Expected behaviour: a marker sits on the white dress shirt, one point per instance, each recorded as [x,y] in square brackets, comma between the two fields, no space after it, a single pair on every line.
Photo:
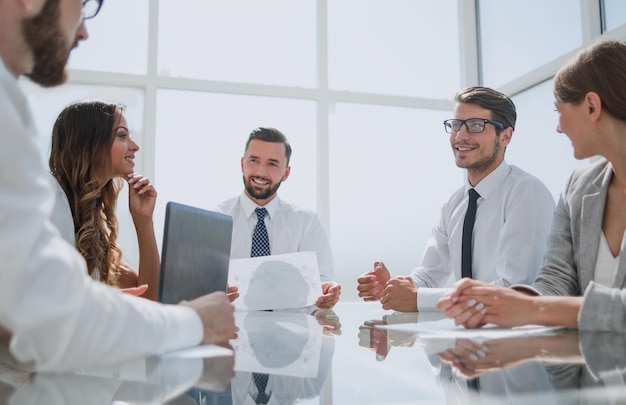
[512,224]
[59,318]
[290,229]
[62,213]
[63,220]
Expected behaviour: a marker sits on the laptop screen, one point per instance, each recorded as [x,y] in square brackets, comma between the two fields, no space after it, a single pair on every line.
[195,253]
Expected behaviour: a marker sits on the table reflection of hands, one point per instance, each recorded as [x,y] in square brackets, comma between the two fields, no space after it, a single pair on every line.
[329,320]
[381,340]
[473,358]
[374,339]
[216,372]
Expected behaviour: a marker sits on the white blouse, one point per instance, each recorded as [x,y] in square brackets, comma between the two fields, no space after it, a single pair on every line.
[606,264]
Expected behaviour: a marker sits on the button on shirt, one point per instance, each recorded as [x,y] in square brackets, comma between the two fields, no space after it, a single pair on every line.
[510,232]
[290,229]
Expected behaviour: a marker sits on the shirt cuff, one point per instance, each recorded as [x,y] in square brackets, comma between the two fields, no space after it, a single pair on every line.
[523,288]
[427,298]
[190,330]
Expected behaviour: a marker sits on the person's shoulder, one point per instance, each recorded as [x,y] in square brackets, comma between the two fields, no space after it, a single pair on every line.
[519,174]
[589,176]
[521,178]
[227,206]
[591,171]
[455,198]
[293,208]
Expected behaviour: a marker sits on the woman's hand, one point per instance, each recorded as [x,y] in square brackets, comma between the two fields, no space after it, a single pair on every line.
[141,196]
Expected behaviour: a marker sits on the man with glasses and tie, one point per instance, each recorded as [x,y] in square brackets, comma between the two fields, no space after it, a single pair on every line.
[264,224]
[51,312]
[494,228]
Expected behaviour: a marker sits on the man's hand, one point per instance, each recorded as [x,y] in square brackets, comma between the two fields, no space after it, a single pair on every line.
[217,315]
[400,295]
[330,295]
[217,372]
[329,321]
[371,284]
[374,339]
[233,293]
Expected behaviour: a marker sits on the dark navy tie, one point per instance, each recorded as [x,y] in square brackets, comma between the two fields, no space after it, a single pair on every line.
[260,247]
[260,240]
[468,230]
[260,380]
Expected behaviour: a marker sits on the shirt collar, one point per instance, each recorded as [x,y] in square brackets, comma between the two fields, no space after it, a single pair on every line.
[249,206]
[492,183]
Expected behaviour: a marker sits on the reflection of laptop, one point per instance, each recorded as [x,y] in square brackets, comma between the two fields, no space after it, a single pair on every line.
[196,253]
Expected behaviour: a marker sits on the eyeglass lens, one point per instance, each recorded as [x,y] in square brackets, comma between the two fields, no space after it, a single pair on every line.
[91,8]
[472,125]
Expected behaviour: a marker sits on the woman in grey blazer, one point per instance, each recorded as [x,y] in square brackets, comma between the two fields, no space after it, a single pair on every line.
[580,284]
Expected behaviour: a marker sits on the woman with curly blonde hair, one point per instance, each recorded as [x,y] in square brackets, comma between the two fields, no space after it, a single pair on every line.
[92,153]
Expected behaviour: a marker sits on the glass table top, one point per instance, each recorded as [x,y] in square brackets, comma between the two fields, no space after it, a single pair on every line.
[341,357]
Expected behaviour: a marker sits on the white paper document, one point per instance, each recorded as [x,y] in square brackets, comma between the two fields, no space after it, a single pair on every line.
[276,282]
[445,328]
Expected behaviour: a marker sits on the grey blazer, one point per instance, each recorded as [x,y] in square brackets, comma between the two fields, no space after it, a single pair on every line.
[570,257]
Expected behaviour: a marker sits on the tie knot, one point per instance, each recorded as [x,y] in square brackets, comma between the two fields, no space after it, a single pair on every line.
[260,213]
[473,194]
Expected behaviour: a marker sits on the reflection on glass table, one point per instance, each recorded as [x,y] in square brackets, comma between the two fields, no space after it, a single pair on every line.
[335,358]
[563,366]
[281,357]
[152,380]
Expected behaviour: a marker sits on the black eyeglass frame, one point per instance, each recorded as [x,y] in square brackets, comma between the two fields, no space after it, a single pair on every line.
[448,127]
[91,14]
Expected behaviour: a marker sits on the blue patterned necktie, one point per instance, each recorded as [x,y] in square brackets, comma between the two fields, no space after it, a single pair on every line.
[260,380]
[468,230]
[260,240]
[260,247]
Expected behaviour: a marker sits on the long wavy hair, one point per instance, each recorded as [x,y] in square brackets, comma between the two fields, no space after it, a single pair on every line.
[80,158]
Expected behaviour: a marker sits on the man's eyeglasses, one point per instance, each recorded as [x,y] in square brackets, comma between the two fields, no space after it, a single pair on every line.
[91,8]
[473,125]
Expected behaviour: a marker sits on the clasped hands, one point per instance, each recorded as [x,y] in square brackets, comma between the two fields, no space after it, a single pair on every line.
[398,293]
[471,303]
[474,303]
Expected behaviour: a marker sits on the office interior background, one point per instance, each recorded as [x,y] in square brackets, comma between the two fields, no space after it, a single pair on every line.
[360,87]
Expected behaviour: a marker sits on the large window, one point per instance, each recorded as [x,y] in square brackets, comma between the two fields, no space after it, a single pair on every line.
[614,13]
[262,42]
[118,40]
[391,169]
[400,47]
[519,36]
[360,87]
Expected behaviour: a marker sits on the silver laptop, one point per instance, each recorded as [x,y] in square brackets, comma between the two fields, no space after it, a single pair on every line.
[195,253]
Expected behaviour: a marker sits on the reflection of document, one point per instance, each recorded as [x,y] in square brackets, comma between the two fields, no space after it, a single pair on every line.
[445,328]
[278,343]
[274,282]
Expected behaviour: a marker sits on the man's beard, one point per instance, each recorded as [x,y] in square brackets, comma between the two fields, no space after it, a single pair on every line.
[260,195]
[44,36]
[486,161]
